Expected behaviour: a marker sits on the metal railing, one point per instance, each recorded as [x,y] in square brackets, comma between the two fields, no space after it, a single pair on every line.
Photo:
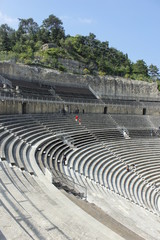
[138,104]
[5,81]
[130,98]
[66,182]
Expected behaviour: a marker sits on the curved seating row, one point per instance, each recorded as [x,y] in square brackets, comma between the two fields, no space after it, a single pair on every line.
[28,210]
[130,121]
[84,159]
[103,162]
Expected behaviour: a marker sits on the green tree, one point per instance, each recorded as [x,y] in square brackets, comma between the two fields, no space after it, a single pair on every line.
[140,67]
[25,44]
[153,72]
[7,37]
[26,38]
[43,35]
[54,27]
[28,26]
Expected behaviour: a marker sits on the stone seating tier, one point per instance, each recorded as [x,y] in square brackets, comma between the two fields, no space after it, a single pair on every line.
[96,156]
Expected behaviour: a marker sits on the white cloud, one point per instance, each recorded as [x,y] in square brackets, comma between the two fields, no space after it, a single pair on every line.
[65,18]
[12,22]
[77,20]
[85,20]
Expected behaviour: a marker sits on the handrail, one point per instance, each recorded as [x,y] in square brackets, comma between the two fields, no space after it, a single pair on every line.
[137,104]
[70,183]
[130,98]
[3,97]
[62,174]
[5,81]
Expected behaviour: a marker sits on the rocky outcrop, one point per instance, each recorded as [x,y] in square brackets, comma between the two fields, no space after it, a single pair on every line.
[103,86]
[72,65]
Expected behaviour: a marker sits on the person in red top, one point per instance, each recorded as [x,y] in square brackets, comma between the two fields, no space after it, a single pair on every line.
[76,118]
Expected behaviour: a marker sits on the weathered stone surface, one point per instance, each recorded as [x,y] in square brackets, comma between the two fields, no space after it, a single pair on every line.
[103,86]
[72,65]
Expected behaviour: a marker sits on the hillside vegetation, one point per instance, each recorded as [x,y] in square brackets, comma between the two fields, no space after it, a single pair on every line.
[26,45]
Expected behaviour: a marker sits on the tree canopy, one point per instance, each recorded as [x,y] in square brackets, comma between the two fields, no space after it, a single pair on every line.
[26,45]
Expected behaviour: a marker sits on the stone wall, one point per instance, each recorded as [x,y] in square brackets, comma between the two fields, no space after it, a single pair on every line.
[10,107]
[72,65]
[17,107]
[103,86]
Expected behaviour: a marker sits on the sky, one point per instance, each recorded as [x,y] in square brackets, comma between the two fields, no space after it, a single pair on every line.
[130,26]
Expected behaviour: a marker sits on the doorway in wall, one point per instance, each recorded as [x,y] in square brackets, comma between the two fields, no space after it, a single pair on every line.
[24,108]
[144,111]
[105,110]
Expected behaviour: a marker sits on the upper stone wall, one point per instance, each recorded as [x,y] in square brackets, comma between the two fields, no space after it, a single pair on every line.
[72,65]
[103,86]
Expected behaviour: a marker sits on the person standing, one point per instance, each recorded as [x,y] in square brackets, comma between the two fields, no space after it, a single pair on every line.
[64,161]
[127,168]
